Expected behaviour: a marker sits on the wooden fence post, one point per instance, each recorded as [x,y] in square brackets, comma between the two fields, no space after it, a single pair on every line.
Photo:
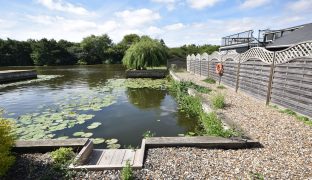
[199,67]
[208,67]
[237,74]
[268,98]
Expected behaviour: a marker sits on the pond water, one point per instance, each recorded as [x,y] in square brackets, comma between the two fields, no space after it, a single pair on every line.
[91,101]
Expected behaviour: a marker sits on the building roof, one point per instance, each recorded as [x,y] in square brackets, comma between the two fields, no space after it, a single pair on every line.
[295,37]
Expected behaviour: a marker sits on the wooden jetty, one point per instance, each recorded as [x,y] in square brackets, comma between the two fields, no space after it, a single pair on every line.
[16,75]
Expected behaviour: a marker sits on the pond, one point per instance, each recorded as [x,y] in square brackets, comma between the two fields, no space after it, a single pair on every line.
[91,101]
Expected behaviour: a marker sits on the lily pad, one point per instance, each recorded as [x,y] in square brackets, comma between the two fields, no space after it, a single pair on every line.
[98,140]
[113,146]
[87,135]
[94,125]
[78,133]
[111,141]
[63,137]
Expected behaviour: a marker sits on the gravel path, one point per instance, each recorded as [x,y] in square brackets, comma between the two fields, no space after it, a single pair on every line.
[287,152]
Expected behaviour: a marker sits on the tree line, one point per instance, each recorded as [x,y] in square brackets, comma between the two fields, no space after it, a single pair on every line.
[91,50]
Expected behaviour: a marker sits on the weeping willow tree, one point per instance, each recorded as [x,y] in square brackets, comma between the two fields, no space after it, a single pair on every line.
[145,53]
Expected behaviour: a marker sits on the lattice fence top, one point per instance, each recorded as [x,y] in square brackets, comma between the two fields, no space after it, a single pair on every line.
[197,57]
[193,57]
[231,55]
[188,57]
[215,56]
[303,49]
[204,57]
[258,53]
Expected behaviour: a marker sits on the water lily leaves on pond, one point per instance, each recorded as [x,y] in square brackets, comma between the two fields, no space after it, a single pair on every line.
[113,146]
[83,117]
[111,141]
[79,133]
[94,125]
[87,135]
[98,140]
[181,135]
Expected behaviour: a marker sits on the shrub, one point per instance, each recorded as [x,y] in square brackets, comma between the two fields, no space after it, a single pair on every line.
[221,87]
[62,157]
[126,172]
[146,53]
[7,139]
[218,101]
[210,81]
[213,125]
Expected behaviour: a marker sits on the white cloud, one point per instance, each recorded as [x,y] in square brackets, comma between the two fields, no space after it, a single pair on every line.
[301,5]
[138,17]
[170,4]
[175,26]
[61,5]
[253,3]
[200,4]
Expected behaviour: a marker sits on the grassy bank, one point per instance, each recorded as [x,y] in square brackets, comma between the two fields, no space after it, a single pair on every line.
[208,124]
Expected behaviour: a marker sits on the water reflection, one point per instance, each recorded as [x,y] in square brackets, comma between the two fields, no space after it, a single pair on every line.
[145,98]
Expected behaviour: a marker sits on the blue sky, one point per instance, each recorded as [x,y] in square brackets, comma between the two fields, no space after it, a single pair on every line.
[178,22]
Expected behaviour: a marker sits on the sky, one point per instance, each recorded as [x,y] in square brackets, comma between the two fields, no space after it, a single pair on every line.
[177,22]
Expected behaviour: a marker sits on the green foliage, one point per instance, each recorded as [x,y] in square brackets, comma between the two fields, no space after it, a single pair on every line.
[209,123]
[126,172]
[221,87]
[210,81]
[184,50]
[146,53]
[213,125]
[304,119]
[218,101]
[256,176]
[148,134]
[62,158]
[97,48]
[7,138]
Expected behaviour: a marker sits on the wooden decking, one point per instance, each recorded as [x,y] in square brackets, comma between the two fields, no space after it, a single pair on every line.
[16,75]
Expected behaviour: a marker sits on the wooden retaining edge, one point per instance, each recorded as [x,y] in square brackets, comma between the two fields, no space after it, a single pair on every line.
[200,141]
[46,145]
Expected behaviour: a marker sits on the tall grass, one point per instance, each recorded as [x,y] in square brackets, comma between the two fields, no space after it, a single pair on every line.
[218,101]
[208,124]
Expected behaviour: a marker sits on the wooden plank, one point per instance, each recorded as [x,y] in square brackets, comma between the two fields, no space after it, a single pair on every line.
[108,156]
[199,141]
[118,157]
[95,156]
[129,156]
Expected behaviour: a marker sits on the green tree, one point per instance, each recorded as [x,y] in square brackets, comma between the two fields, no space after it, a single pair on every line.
[96,48]
[146,53]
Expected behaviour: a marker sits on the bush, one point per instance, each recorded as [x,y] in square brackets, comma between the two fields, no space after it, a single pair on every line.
[146,53]
[126,173]
[210,81]
[62,157]
[7,139]
[218,101]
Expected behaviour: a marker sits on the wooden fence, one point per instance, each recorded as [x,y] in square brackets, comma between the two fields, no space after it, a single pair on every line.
[281,77]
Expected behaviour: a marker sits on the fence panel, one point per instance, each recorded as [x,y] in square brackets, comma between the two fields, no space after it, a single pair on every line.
[212,69]
[292,85]
[230,73]
[204,68]
[254,78]
[197,67]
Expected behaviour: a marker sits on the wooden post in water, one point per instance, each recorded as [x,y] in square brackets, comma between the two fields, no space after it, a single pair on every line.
[268,98]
